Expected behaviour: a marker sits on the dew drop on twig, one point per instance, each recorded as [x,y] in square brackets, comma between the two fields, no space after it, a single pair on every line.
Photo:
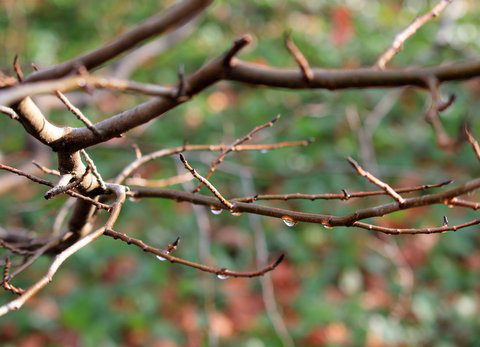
[236,214]
[222,277]
[161,258]
[215,210]
[289,221]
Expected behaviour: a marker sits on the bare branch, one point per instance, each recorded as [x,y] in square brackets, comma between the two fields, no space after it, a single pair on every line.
[300,59]
[389,190]
[222,273]
[64,184]
[6,283]
[161,183]
[474,143]
[46,169]
[256,74]
[95,172]
[432,116]
[49,184]
[326,220]
[397,231]
[340,196]
[206,182]
[402,37]
[128,170]
[76,112]
[238,44]
[66,84]
[229,149]
[18,69]
[60,258]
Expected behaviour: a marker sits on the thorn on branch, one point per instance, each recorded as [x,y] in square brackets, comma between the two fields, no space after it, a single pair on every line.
[445,221]
[443,106]
[180,94]
[300,59]
[17,68]
[346,195]
[238,44]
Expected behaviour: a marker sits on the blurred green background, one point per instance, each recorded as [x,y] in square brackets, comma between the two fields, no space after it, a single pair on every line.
[336,287]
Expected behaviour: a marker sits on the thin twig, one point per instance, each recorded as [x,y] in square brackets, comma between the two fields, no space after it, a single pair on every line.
[162,183]
[37,253]
[474,143]
[432,115]
[402,37]
[128,170]
[64,185]
[229,149]
[220,272]
[95,172]
[76,112]
[64,255]
[463,203]
[398,231]
[340,196]
[389,190]
[138,152]
[6,283]
[14,249]
[206,182]
[46,169]
[49,184]
[18,69]
[300,59]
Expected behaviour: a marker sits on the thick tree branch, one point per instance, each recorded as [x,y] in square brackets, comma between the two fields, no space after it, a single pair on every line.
[326,220]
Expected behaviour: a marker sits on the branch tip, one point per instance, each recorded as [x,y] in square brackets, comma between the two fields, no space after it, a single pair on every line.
[238,44]
[279,260]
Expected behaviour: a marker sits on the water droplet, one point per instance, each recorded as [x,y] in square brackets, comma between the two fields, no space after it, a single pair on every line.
[133,199]
[215,210]
[222,277]
[289,221]
[161,258]
[264,151]
[236,214]
[451,206]
[327,226]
